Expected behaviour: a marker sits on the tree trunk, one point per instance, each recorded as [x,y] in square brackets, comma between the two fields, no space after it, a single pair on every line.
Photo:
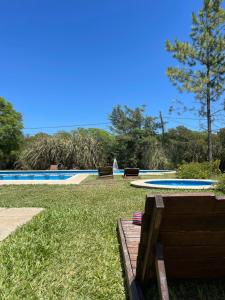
[209,125]
[163,128]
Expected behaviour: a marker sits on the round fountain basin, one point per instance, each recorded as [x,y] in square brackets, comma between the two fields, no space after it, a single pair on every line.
[192,184]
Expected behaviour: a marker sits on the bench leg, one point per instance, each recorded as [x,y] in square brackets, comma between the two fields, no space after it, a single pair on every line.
[161,274]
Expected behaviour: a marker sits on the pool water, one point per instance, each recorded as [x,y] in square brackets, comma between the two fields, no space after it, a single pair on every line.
[34,177]
[58,175]
[186,183]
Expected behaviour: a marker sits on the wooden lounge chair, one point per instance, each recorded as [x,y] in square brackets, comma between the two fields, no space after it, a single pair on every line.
[54,167]
[105,172]
[131,172]
[182,236]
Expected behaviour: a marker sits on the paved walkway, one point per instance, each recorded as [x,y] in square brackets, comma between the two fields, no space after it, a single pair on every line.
[12,218]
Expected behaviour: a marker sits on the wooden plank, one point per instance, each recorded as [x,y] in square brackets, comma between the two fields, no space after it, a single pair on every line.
[133,289]
[194,252]
[133,250]
[133,256]
[220,204]
[133,244]
[193,203]
[133,239]
[132,235]
[146,251]
[134,263]
[191,222]
[149,203]
[126,221]
[132,227]
[201,268]
[131,230]
[195,238]
[161,273]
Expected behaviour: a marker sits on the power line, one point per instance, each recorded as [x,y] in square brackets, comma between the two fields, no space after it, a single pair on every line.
[184,118]
[66,126]
[108,123]
[188,118]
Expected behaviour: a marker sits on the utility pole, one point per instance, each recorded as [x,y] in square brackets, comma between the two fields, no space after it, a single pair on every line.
[162,127]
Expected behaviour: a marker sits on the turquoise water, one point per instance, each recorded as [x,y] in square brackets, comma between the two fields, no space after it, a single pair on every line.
[57,175]
[186,183]
[34,177]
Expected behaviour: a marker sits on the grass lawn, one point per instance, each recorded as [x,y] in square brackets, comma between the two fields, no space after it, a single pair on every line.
[70,251]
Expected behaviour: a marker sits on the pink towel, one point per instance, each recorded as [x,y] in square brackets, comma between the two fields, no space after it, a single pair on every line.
[137,217]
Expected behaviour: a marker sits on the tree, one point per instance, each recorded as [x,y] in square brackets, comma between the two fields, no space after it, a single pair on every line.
[221,137]
[132,129]
[184,145]
[126,120]
[105,140]
[10,133]
[202,62]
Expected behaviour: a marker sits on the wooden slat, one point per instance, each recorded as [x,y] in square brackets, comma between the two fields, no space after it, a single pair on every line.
[134,290]
[191,222]
[220,204]
[195,203]
[194,252]
[149,203]
[161,273]
[132,239]
[134,263]
[133,250]
[146,256]
[133,256]
[195,238]
[131,230]
[132,244]
[132,227]
[126,221]
[201,268]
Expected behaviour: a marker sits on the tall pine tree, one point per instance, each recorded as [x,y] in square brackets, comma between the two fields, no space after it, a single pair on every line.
[202,61]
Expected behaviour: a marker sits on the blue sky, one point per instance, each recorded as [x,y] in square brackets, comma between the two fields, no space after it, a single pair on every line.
[69,62]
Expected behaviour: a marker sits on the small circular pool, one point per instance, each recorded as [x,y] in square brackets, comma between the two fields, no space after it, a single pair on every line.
[193,184]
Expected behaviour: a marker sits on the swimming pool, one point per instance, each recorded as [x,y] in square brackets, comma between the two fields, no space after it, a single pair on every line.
[62,174]
[31,176]
[176,184]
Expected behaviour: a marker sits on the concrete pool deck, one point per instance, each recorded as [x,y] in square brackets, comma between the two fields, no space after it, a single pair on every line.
[12,218]
[76,179]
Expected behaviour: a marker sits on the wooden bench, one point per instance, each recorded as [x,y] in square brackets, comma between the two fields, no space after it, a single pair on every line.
[182,236]
[131,172]
[105,172]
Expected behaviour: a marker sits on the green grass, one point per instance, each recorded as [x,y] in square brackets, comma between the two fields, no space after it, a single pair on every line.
[71,251]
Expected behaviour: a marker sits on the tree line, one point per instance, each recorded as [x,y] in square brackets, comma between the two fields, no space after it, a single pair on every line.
[134,139]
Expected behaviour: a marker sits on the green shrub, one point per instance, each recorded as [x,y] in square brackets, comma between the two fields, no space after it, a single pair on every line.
[75,150]
[198,170]
[221,183]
